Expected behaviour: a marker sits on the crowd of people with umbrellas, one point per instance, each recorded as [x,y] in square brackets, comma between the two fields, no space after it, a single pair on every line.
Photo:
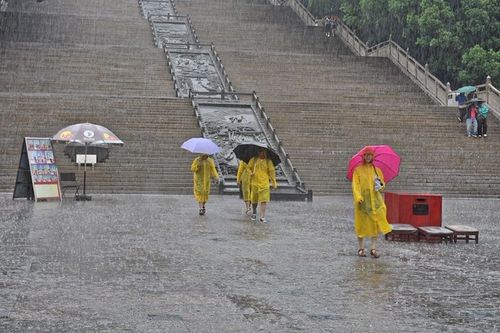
[256,173]
[369,170]
[473,110]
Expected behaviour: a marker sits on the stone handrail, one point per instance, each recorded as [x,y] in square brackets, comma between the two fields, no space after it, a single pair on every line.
[299,9]
[431,85]
[491,95]
[259,109]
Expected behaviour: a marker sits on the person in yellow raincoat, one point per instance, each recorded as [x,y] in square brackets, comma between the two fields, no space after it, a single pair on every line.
[369,207]
[261,173]
[203,167]
[243,180]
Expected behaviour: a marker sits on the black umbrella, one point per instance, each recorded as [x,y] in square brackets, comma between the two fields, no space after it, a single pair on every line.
[245,151]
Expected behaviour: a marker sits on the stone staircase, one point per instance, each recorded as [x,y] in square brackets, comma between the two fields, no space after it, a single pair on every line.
[152,128]
[65,62]
[326,103]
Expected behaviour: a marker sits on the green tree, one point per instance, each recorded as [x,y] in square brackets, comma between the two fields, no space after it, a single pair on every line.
[403,15]
[442,33]
[437,38]
[351,14]
[477,64]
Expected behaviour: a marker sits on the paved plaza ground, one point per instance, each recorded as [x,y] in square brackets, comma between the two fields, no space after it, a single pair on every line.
[146,263]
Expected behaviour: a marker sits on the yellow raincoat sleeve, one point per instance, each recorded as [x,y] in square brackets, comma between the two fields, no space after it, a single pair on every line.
[195,166]
[213,170]
[272,173]
[241,169]
[356,186]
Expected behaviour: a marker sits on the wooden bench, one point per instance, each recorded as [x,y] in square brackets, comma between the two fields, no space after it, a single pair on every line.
[68,181]
[463,232]
[435,234]
[402,232]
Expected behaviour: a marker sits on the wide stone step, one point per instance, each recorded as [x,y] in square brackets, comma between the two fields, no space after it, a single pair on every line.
[86,8]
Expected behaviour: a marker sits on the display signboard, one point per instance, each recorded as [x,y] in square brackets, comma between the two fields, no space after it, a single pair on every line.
[42,169]
[88,159]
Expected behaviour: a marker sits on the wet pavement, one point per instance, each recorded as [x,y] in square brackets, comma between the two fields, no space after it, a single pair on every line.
[146,263]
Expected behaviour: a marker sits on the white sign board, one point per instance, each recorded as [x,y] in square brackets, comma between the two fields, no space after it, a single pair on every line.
[86,159]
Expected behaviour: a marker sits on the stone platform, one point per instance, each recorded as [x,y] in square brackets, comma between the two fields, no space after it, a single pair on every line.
[146,263]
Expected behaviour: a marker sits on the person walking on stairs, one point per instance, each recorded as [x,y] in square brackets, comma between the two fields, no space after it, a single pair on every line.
[462,106]
[261,173]
[482,115]
[203,168]
[471,120]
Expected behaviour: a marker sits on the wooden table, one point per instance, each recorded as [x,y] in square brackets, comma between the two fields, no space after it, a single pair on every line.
[435,234]
[464,232]
[402,232]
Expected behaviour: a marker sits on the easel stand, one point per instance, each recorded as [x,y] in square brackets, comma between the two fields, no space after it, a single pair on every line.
[84,196]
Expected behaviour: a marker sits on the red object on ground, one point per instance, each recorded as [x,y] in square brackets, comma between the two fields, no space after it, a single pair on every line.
[419,210]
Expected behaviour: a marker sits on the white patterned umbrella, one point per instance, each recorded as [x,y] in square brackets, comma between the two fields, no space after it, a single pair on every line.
[87,134]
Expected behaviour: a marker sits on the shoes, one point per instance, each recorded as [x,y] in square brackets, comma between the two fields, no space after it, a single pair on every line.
[374,253]
[263,220]
[485,135]
[248,211]
[202,211]
[254,217]
[361,253]
[468,135]
[474,135]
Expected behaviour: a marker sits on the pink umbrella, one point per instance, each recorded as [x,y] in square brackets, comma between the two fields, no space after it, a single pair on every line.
[385,158]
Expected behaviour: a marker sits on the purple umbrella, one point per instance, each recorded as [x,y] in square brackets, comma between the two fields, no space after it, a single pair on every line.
[201,146]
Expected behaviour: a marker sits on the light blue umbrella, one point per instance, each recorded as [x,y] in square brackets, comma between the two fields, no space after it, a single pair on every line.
[201,146]
[466,89]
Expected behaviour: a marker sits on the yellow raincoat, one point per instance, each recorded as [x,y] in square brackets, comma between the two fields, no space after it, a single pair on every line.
[370,216]
[261,172]
[243,178]
[202,170]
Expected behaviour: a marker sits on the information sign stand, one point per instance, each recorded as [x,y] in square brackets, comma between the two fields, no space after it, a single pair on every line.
[37,176]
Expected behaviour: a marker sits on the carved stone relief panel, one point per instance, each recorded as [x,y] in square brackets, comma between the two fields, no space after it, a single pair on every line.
[229,126]
[195,71]
[171,32]
[157,8]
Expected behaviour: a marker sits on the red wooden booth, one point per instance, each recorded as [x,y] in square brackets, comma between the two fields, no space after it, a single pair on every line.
[419,210]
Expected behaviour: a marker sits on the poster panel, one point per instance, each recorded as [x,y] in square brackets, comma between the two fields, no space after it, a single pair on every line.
[43,168]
